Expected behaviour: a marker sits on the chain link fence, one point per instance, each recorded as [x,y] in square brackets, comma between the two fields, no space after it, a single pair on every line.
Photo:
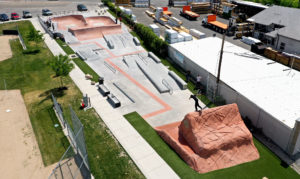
[74,162]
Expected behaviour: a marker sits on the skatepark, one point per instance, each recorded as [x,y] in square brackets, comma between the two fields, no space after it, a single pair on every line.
[135,77]
[134,80]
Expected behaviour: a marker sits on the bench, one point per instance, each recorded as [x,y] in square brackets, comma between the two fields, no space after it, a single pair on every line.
[103,90]
[113,100]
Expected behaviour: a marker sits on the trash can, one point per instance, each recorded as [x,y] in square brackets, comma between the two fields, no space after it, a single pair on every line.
[101,80]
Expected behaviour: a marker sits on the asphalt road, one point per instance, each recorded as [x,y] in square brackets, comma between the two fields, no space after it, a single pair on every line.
[143,18]
[36,6]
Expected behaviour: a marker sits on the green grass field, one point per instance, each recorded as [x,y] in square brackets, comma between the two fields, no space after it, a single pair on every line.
[34,77]
[267,165]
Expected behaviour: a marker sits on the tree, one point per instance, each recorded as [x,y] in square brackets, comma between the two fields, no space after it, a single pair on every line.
[35,35]
[62,66]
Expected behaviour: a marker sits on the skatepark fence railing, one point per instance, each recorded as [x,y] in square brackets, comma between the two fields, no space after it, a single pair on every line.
[74,162]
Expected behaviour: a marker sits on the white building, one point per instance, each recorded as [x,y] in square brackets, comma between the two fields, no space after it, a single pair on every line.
[265,91]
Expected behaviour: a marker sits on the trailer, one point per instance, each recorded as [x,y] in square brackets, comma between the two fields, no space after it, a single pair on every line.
[166,12]
[211,21]
[187,13]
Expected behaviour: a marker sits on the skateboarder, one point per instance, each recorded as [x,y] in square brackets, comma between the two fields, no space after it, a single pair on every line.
[196,102]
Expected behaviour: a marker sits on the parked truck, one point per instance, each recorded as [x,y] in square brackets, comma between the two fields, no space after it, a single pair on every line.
[211,21]
[187,13]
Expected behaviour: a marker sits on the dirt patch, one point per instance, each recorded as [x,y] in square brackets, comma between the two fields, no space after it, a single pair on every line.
[20,155]
[5,50]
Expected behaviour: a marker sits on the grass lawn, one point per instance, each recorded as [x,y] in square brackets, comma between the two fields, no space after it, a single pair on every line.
[80,63]
[267,165]
[34,77]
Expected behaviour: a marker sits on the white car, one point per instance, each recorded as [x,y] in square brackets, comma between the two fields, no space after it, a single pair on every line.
[250,40]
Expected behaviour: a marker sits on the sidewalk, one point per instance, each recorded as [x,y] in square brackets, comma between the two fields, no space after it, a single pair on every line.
[148,161]
[144,156]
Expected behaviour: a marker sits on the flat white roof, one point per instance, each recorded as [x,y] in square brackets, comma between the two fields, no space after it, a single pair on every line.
[275,91]
[249,3]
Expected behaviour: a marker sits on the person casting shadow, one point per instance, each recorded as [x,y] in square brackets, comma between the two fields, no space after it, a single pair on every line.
[194,97]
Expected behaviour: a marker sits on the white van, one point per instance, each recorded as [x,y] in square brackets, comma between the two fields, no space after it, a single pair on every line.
[250,40]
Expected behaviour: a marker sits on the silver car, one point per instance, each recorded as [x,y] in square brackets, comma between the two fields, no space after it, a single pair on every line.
[46,12]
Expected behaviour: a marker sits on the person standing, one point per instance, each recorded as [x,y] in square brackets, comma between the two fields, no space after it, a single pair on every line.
[187,76]
[194,97]
[198,83]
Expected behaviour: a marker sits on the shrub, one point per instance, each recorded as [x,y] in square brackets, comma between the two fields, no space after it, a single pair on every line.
[31,51]
[151,41]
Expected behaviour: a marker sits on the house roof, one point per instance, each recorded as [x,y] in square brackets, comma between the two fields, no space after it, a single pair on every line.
[287,17]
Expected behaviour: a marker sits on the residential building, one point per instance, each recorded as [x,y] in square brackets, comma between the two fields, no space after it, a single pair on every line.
[279,28]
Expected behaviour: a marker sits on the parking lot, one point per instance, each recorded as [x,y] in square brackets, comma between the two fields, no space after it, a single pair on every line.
[143,18]
[36,6]
[67,6]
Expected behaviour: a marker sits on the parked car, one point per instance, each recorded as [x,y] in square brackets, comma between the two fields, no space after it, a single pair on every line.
[46,12]
[14,16]
[58,35]
[81,7]
[26,14]
[4,17]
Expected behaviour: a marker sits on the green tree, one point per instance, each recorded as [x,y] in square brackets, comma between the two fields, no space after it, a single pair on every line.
[62,66]
[35,35]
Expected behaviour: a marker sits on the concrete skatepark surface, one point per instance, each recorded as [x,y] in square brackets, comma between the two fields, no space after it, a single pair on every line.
[139,82]
[215,139]
[85,28]
[125,79]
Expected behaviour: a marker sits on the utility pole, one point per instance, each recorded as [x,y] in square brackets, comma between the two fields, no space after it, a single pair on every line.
[219,69]
[220,60]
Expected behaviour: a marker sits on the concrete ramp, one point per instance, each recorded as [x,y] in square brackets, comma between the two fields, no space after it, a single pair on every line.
[120,40]
[154,78]
[69,38]
[64,22]
[129,61]
[95,32]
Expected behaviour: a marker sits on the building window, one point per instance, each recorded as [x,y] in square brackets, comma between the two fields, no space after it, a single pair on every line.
[282,45]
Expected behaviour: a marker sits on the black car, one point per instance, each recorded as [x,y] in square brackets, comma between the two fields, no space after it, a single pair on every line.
[58,35]
[4,17]
[46,12]
[81,7]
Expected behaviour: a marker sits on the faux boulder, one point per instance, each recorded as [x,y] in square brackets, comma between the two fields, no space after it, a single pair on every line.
[214,139]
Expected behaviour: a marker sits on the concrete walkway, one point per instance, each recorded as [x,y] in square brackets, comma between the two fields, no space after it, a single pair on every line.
[144,156]
[148,161]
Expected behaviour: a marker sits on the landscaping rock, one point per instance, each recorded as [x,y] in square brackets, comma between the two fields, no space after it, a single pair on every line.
[214,139]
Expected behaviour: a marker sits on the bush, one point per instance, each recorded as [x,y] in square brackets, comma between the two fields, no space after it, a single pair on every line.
[151,41]
[31,51]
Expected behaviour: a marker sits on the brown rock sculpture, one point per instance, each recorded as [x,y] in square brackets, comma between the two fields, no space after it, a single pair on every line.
[215,139]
